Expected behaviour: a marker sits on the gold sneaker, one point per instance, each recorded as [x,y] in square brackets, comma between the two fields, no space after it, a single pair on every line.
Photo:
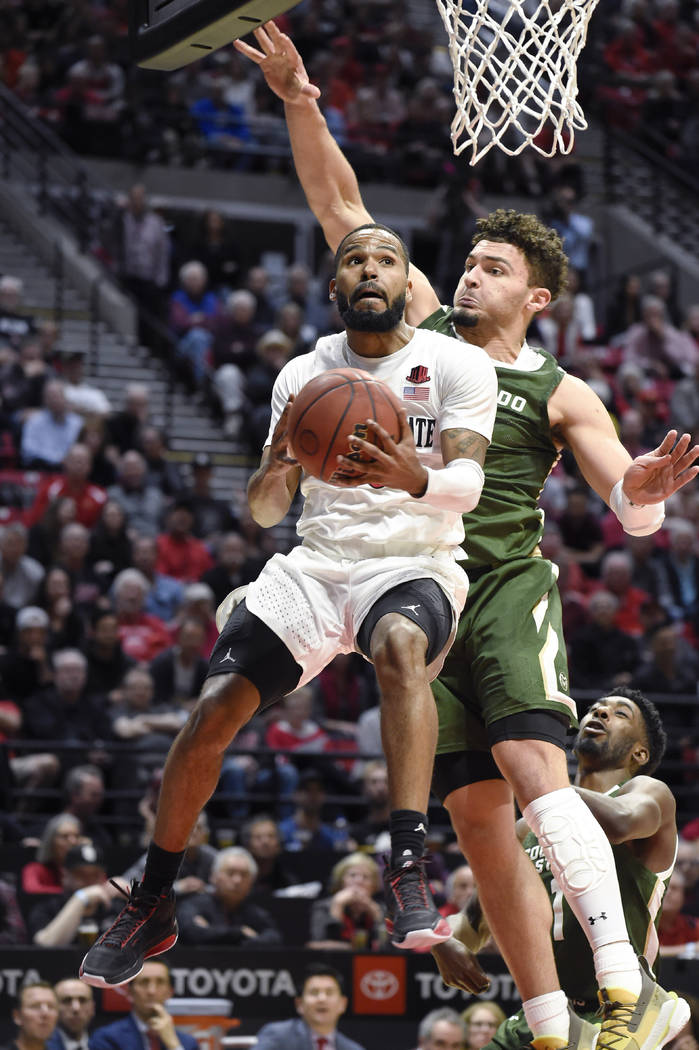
[581,1036]
[646,1023]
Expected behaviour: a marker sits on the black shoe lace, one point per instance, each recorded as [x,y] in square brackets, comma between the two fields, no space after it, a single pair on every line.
[131,915]
[615,1025]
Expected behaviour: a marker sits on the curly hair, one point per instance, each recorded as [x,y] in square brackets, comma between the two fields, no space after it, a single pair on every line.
[655,734]
[541,246]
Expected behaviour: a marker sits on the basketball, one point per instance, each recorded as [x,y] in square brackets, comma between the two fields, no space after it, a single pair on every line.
[332,406]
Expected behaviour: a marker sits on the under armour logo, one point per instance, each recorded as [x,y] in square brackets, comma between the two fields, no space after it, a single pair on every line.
[413,608]
[422,828]
[593,919]
[227,657]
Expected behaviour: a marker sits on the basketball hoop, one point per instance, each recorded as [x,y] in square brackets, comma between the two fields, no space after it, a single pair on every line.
[515,73]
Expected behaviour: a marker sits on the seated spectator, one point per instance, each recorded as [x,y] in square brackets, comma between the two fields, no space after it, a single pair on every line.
[12,928]
[45,536]
[84,908]
[193,313]
[107,663]
[162,472]
[66,713]
[289,320]
[94,435]
[625,307]
[180,554]
[350,918]
[320,1003]
[21,574]
[26,668]
[56,598]
[236,331]
[216,245]
[142,503]
[272,350]
[615,576]
[601,654]
[295,730]
[482,1021]
[661,350]
[197,864]
[261,837]
[460,886]
[678,568]
[142,635]
[76,1012]
[576,230]
[305,829]
[684,402]
[198,604]
[343,689]
[179,672]
[15,325]
[110,544]
[688,864]
[72,484]
[233,566]
[45,873]
[581,532]
[73,556]
[373,822]
[125,428]
[49,433]
[212,516]
[82,398]
[35,1015]
[369,733]
[149,1023]
[165,594]
[244,776]
[226,915]
[560,332]
[677,930]
[84,796]
[223,125]
[673,667]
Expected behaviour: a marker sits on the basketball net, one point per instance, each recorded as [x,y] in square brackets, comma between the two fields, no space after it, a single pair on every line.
[515,73]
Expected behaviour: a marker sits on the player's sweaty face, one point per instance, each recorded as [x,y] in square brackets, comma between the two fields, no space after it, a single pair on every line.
[495,283]
[371,272]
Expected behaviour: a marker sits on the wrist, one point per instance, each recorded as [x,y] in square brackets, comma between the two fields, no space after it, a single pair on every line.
[83,896]
[421,487]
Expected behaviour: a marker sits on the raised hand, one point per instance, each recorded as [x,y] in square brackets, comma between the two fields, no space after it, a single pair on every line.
[654,476]
[280,62]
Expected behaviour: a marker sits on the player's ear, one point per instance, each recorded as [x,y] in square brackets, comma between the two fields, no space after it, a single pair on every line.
[331,293]
[409,292]
[539,299]
[640,754]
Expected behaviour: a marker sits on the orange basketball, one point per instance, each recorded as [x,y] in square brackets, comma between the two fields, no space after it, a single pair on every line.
[332,406]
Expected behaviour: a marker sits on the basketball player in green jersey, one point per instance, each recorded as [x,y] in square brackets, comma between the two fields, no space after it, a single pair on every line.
[503,697]
[620,743]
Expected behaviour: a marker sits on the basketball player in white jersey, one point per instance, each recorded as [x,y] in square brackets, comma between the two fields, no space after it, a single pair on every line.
[376,573]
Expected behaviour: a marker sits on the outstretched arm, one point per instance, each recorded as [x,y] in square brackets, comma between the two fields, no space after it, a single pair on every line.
[325,174]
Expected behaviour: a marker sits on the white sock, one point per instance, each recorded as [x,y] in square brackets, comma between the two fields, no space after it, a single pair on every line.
[582,862]
[548,1015]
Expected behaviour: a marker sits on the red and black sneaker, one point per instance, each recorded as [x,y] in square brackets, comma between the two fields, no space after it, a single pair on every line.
[414,922]
[146,926]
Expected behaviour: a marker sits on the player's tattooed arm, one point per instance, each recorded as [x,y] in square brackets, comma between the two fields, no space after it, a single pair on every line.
[463,444]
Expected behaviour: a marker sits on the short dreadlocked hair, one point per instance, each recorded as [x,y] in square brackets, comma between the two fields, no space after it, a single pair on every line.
[656,736]
[541,246]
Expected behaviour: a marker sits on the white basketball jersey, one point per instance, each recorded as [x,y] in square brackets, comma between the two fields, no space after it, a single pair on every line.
[443,385]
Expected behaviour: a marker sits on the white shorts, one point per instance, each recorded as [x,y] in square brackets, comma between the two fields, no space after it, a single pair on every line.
[316,605]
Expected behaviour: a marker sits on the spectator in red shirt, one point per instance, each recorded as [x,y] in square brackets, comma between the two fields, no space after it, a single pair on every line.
[676,929]
[142,636]
[89,499]
[296,730]
[45,874]
[180,554]
[460,886]
[617,569]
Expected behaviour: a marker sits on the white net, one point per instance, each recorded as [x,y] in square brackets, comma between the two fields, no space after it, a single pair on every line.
[515,73]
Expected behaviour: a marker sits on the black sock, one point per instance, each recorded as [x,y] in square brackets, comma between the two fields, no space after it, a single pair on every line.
[162,868]
[408,828]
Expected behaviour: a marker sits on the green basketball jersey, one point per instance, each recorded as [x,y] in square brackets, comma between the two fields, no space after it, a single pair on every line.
[507,522]
[641,894]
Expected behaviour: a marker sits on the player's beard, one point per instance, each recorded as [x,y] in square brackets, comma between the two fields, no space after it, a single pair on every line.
[461,318]
[370,320]
[607,755]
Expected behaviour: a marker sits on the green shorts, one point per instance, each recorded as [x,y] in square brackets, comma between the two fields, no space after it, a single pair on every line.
[514,1032]
[508,658]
